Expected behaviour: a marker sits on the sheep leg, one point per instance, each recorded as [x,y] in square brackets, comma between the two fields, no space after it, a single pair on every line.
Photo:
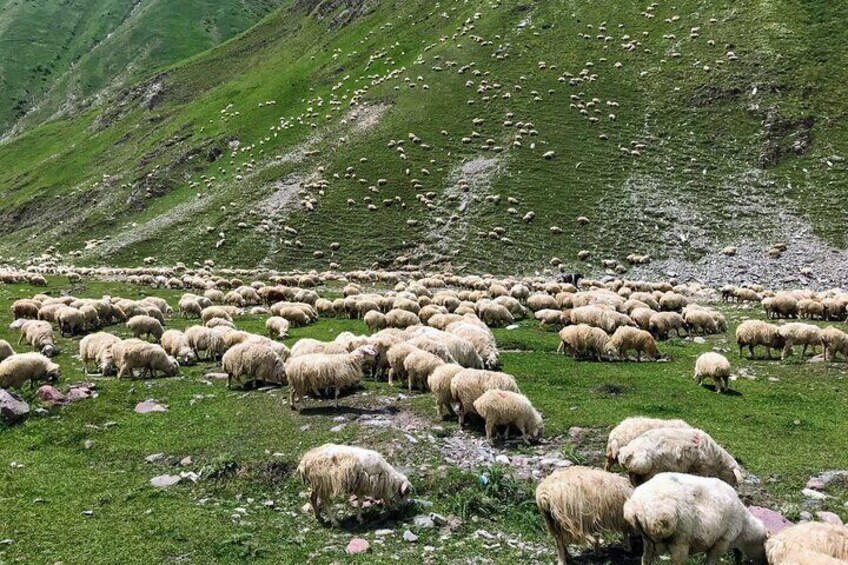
[717,551]
[680,554]
[391,376]
[609,463]
[490,428]
[768,351]
[409,382]
[336,397]
[506,433]
[804,350]
[21,338]
[649,552]
[316,504]
[562,551]
[787,350]
[292,404]
[460,413]
[359,511]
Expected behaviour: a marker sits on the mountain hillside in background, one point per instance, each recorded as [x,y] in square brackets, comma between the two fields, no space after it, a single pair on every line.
[478,135]
[58,55]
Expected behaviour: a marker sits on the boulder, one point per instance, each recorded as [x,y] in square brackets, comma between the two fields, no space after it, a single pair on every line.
[13,408]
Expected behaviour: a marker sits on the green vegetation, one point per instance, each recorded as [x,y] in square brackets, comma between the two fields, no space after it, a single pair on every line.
[784,423]
[737,125]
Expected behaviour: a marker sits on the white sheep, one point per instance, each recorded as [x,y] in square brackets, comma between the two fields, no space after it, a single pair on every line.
[175,344]
[751,333]
[713,366]
[38,335]
[146,326]
[580,505]
[419,365]
[5,349]
[470,384]
[132,354]
[681,514]
[97,347]
[333,471]
[439,383]
[507,408]
[70,320]
[798,333]
[277,327]
[678,450]
[375,320]
[631,428]
[399,318]
[206,342]
[253,361]
[480,338]
[22,367]
[317,372]
[662,323]
[582,341]
[627,338]
[189,307]
[810,543]
[834,341]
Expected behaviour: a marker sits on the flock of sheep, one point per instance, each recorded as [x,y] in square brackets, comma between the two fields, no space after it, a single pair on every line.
[433,333]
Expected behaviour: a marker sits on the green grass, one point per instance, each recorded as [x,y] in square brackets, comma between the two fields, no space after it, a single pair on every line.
[245,445]
[701,166]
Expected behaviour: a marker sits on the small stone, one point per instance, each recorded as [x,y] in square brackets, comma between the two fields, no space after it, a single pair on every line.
[485,535]
[50,395]
[512,327]
[79,393]
[502,459]
[6,541]
[438,519]
[88,513]
[268,504]
[829,517]
[147,407]
[13,408]
[814,494]
[699,340]
[165,481]
[185,461]
[815,484]
[155,457]
[306,508]
[383,533]
[88,444]
[220,376]
[409,536]
[423,522]
[338,428]
[357,546]
[772,520]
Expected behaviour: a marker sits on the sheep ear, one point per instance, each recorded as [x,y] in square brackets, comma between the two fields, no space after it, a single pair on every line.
[405,488]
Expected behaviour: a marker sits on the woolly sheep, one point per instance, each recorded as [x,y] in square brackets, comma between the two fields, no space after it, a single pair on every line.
[642,317]
[582,341]
[700,320]
[810,543]
[132,354]
[481,339]
[97,347]
[681,514]
[189,308]
[375,321]
[439,383]
[25,309]
[253,361]
[5,350]
[580,505]
[401,319]
[780,306]
[308,346]
[541,301]
[333,471]
[834,341]
[751,333]
[507,408]
[318,371]
[277,327]
[798,333]
[206,342]
[713,366]
[627,339]
[662,323]
[146,326]
[811,309]
[71,321]
[494,315]
[297,317]
[22,367]
[218,322]
[395,356]
[38,335]
[419,365]
[175,344]
[631,428]
[215,312]
[677,450]
[449,347]
[470,384]
[442,321]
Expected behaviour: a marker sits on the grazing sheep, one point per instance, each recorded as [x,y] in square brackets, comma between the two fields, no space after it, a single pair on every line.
[834,341]
[175,344]
[713,366]
[681,514]
[662,323]
[700,320]
[507,408]
[318,371]
[297,317]
[277,327]
[580,505]
[810,543]
[396,356]
[97,347]
[145,326]
[219,322]
[38,335]
[215,312]
[398,318]
[132,354]
[442,321]
[631,428]
[308,346]
[71,321]
[253,361]
[798,333]
[419,365]
[582,341]
[5,349]
[439,383]
[22,367]
[811,309]
[494,315]
[206,342]
[470,384]
[780,306]
[481,339]
[548,317]
[340,470]
[375,321]
[627,339]
[751,333]
[189,308]
[678,450]
[25,309]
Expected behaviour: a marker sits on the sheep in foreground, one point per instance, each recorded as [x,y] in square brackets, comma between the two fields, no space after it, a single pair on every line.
[132,354]
[318,371]
[479,336]
[470,384]
[678,450]
[146,326]
[308,346]
[627,338]
[631,428]
[175,344]
[97,348]
[713,366]
[39,335]
[33,367]
[5,349]
[580,505]
[833,341]
[506,408]
[751,333]
[439,383]
[395,357]
[681,514]
[253,361]
[582,341]
[798,333]
[811,543]
[419,365]
[277,327]
[206,342]
[333,471]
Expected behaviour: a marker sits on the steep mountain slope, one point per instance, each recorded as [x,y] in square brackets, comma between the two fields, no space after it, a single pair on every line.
[460,134]
[57,54]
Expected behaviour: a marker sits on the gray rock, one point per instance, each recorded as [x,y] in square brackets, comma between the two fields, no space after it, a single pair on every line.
[13,408]
[423,522]
[165,481]
[409,536]
[383,533]
[155,457]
